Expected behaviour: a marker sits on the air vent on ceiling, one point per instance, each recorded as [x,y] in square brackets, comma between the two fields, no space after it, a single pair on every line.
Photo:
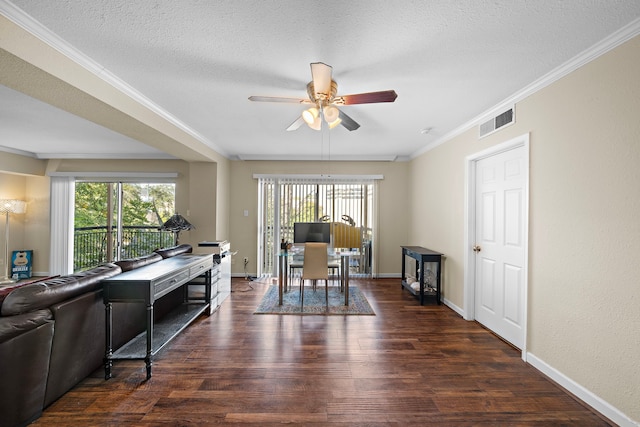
[497,122]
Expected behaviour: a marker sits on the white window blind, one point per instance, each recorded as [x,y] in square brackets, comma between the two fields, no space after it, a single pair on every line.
[346,202]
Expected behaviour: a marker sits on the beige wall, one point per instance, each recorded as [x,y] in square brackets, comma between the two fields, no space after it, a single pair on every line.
[223,202]
[392,215]
[37,225]
[584,230]
[31,230]
[14,163]
[202,210]
[208,202]
[12,187]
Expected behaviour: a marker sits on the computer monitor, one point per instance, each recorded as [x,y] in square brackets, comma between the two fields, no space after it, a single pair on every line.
[304,232]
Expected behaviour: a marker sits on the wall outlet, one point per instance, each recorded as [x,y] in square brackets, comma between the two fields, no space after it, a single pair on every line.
[246,260]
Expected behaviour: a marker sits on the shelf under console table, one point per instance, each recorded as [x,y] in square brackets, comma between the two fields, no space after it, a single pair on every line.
[422,256]
[148,284]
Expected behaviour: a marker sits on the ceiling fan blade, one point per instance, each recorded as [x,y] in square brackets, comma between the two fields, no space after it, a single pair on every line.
[348,122]
[366,98]
[279,99]
[321,76]
[295,125]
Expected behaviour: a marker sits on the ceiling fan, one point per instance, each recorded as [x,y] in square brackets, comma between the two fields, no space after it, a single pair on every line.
[322,91]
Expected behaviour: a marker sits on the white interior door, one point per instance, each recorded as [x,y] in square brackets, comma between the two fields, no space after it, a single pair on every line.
[500,221]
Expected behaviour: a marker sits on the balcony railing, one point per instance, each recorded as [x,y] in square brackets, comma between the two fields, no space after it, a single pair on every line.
[91,244]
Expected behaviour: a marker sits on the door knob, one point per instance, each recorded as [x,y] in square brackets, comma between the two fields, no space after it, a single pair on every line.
[476,248]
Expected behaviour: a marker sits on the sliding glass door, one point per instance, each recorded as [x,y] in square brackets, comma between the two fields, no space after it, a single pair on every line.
[346,204]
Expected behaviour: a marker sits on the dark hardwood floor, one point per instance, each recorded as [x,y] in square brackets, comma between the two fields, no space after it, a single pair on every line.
[409,365]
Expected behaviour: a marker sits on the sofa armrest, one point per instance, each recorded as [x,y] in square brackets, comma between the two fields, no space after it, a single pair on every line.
[25,366]
[12,326]
[78,346]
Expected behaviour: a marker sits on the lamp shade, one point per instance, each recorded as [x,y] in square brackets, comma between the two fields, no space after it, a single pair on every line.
[12,206]
[335,123]
[310,115]
[317,124]
[177,223]
[331,114]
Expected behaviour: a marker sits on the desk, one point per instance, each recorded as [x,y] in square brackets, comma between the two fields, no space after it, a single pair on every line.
[421,255]
[148,284]
[283,271]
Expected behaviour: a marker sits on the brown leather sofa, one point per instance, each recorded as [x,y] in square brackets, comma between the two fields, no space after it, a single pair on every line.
[52,335]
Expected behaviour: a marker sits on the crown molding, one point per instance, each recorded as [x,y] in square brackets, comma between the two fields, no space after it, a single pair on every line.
[106,156]
[333,158]
[607,44]
[89,156]
[19,152]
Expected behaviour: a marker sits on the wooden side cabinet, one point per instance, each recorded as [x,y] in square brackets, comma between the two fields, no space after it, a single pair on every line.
[422,256]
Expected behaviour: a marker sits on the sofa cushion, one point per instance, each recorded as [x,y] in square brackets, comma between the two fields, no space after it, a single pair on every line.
[174,250]
[35,296]
[133,263]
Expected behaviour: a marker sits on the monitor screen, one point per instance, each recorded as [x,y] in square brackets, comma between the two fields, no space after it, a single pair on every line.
[304,232]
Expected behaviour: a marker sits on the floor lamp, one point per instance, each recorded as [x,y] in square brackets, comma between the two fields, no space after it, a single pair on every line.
[8,206]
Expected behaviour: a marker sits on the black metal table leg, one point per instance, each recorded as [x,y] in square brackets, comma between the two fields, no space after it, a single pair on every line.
[147,359]
[108,363]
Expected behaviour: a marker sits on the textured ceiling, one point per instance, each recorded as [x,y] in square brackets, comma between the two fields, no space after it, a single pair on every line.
[197,62]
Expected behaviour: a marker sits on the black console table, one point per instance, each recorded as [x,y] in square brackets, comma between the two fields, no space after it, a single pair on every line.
[421,255]
[148,284]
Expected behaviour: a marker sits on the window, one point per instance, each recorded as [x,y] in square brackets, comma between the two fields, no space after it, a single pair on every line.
[119,220]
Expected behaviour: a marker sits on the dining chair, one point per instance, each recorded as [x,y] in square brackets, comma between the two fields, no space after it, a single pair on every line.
[315,267]
[295,267]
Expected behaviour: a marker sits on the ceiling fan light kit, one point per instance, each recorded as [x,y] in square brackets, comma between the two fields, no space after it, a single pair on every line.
[331,114]
[322,91]
[310,115]
[334,123]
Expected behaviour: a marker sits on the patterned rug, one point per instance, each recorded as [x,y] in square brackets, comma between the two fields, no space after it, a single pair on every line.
[314,302]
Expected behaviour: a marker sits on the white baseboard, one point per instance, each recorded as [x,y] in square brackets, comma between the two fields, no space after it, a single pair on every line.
[453,307]
[582,393]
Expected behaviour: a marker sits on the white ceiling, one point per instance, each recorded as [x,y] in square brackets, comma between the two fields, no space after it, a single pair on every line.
[197,62]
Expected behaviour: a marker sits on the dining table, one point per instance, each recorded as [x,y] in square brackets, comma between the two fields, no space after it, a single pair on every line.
[294,256]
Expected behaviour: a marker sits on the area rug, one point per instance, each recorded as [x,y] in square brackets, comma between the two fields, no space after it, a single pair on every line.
[314,302]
